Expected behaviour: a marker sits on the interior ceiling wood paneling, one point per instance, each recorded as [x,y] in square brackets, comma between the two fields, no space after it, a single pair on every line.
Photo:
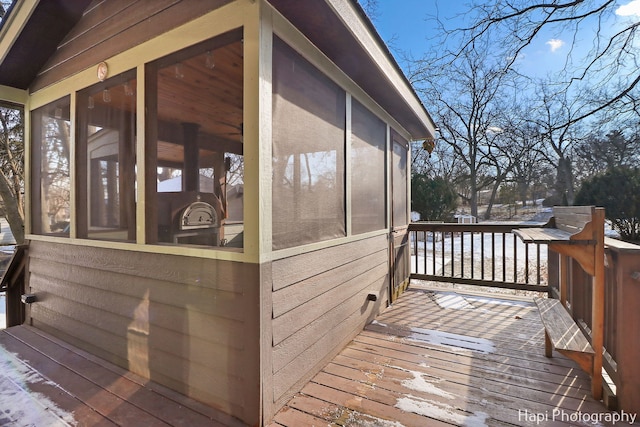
[189,92]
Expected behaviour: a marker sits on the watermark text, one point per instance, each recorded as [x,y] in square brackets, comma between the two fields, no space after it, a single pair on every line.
[576,417]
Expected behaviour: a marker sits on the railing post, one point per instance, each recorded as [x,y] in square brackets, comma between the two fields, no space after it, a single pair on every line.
[597,303]
[625,260]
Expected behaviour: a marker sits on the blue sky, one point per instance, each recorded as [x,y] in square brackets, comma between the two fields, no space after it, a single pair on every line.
[407,25]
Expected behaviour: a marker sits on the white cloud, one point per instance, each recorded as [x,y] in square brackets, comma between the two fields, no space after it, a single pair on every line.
[630,9]
[555,44]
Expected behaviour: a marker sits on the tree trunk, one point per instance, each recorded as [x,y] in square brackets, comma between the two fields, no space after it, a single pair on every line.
[564,180]
[12,211]
[492,199]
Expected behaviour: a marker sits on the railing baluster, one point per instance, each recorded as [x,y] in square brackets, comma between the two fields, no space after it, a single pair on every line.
[504,257]
[452,255]
[515,258]
[526,263]
[538,280]
[433,252]
[417,249]
[482,255]
[443,239]
[472,256]
[493,256]
[462,254]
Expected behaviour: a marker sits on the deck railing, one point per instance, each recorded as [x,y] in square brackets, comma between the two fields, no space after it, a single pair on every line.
[489,254]
[622,317]
[486,254]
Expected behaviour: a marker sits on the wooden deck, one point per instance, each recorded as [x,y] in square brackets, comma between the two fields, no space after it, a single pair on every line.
[443,358]
[45,382]
[433,359]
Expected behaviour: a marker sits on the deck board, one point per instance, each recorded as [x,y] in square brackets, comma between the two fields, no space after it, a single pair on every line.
[441,358]
[56,384]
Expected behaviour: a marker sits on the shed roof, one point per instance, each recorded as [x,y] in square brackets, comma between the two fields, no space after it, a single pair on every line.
[339,28]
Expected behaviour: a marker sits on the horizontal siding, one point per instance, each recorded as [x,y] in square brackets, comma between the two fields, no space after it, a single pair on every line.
[357,287]
[300,267]
[112,27]
[187,323]
[320,304]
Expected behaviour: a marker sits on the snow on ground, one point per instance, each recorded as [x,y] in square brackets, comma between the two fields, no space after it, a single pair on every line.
[493,259]
[485,246]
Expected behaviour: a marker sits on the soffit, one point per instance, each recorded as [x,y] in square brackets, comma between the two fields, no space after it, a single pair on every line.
[48,25]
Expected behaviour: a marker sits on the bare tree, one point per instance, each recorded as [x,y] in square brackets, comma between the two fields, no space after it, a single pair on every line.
[605,77]
[12,168]
[464,92]
[370,7]
[554,120]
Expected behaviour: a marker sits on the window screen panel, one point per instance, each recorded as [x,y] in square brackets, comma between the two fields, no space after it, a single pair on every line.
[399,177]
[308,152]
[194,143]
[106,159]
[368,172]
[51,192]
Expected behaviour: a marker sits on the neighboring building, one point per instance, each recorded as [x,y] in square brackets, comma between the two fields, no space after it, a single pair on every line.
[236,292]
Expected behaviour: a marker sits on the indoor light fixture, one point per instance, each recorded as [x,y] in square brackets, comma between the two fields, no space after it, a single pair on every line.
[106,95]
[128,89]
[209,62]
[90,103]
[179,71]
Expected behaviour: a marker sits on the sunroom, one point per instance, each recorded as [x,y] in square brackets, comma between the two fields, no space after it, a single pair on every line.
[217,191]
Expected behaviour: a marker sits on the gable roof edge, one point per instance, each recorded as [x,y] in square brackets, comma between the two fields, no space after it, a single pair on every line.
[358,23]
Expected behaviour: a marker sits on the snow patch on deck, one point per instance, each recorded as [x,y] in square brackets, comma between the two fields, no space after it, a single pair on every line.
[498,301]
[19,405]
[440,411]
[432,336]
[419,382]
[365,420]
[451,300]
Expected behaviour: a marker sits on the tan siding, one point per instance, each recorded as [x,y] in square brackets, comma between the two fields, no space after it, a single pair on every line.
[176,320]
[297,268]
[356,287]
[112,27]
[320,303]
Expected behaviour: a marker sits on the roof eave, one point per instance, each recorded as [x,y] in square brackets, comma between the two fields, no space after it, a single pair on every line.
[363,30]
[345,35]
[14,24]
